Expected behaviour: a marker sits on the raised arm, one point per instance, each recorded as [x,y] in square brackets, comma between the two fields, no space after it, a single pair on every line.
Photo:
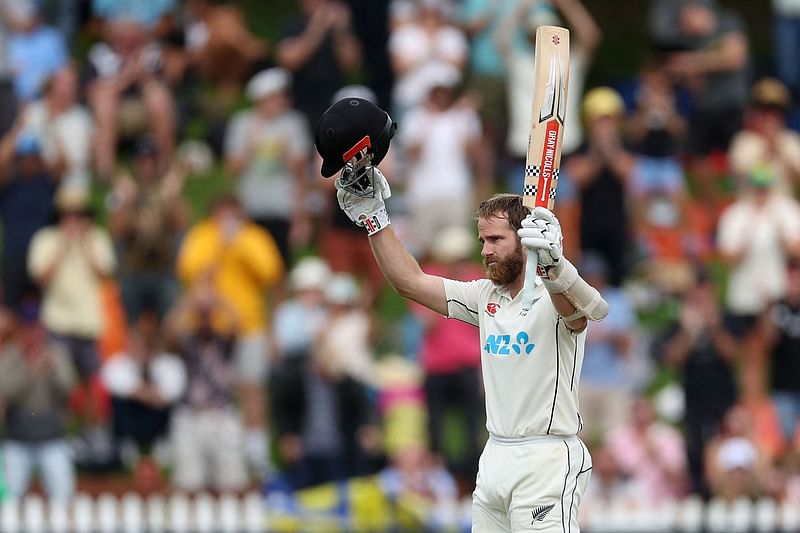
[399,267]
[404,273]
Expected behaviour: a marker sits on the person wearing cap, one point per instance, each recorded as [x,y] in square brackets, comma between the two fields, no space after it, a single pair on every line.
[27,189]
[441,133]
[757,234]
[594,181]
[267,151]
[69,261]
[147,216]
[766,139]
[37,376]
[737,466]
[296,322]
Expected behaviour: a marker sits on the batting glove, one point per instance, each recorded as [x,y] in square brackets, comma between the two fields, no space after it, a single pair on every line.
[367,211]
[541,233]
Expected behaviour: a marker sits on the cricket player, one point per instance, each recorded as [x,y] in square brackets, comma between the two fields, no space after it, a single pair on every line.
[534,469]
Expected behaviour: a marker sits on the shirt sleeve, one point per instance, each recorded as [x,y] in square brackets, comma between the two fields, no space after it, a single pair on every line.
[463,299]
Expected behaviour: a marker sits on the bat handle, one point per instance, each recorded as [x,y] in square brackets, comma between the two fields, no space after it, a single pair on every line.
[530,278]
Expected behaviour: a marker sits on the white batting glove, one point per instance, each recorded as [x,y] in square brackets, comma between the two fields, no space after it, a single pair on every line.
[541,233]
[367,211]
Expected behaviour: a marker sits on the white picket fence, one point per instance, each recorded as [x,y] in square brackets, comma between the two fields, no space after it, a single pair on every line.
[693,516]
[203,513]
[131,513]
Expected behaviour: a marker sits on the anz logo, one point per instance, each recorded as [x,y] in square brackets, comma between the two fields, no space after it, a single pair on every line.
[502,345]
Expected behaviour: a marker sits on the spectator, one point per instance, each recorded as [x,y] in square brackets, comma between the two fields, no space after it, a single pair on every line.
[712,65]
[609,372]
[36,50]
[428,39]
[657,187]
[267,150]
[27,188]
[147,218]
[36,377]
[782,329]
[480,20]
[441,132]
[207,432]
[127,95]
[421,487]
[297,323]
[320,50]
[651,454]
[600,172]
[609,487]
[148,14]
[757,234]
[144,382]
[585,37]
[322,441]
[450,356]
[786,34]
[8,99]
[64,126]
[735,467]
[705,352]
[241,262]
[766,139]
[220,46]
[69,261]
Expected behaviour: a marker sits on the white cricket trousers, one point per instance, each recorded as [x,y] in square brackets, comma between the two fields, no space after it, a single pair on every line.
[530,484]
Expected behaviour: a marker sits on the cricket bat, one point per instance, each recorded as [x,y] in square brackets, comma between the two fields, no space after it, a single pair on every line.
[548,111]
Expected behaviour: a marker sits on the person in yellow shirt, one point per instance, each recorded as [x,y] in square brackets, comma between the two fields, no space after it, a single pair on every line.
[241,261]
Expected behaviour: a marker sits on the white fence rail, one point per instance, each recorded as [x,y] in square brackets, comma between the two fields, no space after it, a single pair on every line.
[204,513]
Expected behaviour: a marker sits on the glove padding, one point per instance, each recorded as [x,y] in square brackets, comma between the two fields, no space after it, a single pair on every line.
[360,208]
[541,233]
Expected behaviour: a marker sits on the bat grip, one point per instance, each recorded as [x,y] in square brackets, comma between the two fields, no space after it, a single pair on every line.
[530,277]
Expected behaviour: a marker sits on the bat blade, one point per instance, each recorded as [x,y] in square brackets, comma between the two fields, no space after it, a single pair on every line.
[548,112]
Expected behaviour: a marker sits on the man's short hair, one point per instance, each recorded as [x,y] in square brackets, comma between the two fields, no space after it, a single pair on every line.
[505,205]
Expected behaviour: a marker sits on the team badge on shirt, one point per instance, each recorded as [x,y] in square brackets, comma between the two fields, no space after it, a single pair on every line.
[540,512]
[492,308]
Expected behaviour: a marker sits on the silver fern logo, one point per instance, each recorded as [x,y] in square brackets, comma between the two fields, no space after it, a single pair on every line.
[540,512]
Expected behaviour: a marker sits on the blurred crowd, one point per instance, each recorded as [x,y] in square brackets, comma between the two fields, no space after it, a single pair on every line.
[252,341]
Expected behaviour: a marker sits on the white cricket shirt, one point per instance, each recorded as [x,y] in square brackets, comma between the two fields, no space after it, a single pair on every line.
[531,361]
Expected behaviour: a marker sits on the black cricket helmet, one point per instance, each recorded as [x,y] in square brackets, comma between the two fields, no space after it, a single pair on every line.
[352,128]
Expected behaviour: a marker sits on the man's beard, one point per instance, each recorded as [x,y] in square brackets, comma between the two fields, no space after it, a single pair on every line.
[505,271]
